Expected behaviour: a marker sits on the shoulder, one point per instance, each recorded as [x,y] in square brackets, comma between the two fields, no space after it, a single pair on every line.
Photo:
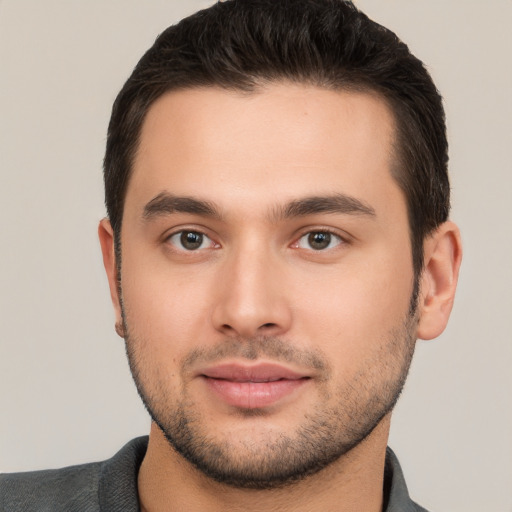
[108,485]
[71,488]
[396,494]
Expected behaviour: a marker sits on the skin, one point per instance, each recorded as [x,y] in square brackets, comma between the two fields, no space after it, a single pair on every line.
[256,277]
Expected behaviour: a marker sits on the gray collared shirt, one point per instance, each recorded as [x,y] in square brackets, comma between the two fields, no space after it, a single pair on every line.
[111,486]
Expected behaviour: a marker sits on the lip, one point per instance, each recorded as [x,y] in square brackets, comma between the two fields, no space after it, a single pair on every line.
[252,386]
[261,372]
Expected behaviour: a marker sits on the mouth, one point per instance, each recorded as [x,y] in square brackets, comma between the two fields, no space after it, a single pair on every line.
[252,386]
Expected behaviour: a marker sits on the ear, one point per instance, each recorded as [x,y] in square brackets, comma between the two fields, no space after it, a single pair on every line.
[442,258]
[106,236]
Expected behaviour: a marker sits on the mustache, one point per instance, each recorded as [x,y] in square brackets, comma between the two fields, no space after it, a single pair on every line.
[255,348]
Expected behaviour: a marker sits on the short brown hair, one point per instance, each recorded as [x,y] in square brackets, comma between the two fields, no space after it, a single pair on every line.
[240,44]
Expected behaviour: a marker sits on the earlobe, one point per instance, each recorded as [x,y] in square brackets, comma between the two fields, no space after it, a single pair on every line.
[106,236]
[442,258]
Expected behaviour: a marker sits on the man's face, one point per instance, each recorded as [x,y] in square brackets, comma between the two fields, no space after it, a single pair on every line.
[266,277]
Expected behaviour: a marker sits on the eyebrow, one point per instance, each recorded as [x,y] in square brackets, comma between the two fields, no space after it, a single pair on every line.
[336,204]
[167,204]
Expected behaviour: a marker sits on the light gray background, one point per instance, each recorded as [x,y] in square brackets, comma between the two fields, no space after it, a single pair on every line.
[66,394]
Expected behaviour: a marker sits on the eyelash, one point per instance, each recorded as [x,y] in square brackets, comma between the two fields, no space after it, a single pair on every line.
[331,234]
[182,232]
[324,231]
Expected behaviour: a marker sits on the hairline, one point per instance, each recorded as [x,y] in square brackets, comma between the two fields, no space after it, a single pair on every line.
[397,159]
[258,87]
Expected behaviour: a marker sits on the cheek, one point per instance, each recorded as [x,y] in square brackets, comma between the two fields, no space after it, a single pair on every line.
[163,307]
[351,310]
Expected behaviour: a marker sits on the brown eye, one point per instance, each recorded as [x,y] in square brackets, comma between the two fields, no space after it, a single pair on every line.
[189,240]
[319,240]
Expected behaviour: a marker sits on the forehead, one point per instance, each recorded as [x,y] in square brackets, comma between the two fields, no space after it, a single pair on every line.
[279,142]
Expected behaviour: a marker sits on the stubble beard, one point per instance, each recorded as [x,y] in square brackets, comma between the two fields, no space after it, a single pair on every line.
[328,432]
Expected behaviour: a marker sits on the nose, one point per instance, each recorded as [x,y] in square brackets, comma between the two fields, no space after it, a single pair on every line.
[251,296]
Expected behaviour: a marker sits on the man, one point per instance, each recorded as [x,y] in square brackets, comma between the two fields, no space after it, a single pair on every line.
[277,239]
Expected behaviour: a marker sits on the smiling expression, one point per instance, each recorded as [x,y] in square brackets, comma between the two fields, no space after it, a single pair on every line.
[266,277]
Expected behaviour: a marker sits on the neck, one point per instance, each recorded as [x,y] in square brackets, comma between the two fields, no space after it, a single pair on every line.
[167,482]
